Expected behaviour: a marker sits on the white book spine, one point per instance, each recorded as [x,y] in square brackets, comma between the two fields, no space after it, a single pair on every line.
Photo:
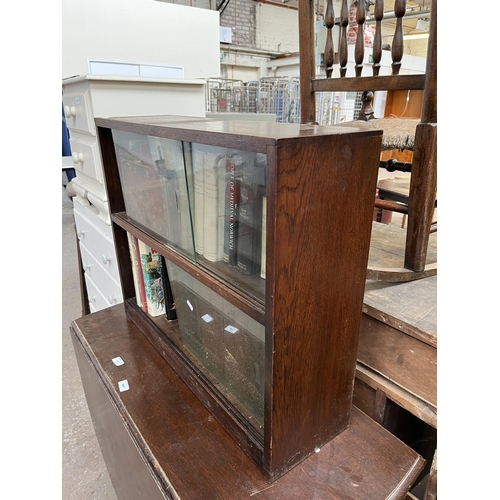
[199,196]
[263,248]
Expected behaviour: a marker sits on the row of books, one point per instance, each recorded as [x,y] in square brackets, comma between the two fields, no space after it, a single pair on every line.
[201,199]
[152,287]
[230,207]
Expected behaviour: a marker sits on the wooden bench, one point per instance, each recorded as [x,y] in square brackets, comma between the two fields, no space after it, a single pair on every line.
[416,135]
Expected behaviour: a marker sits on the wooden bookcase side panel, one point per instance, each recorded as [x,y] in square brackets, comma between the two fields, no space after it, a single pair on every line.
[319,238]
[116,204]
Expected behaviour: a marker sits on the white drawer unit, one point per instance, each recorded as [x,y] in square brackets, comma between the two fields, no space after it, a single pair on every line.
[78,112]
[97,302]
[98,258]
[109,288]
[84,99]
[86,156]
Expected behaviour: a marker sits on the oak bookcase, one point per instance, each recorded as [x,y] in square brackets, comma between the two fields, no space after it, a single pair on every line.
[269,345]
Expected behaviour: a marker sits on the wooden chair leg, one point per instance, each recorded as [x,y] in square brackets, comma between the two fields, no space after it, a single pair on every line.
[422,197]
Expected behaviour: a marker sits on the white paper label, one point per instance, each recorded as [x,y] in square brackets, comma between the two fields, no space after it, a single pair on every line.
[118,361]
[123,385]
[231,329]
[189,304]
[207,318]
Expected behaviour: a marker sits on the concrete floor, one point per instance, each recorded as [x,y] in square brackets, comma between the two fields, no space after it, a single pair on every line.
[84,474]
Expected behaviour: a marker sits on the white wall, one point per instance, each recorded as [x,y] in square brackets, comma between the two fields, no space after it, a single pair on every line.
[139,31]
[277,28]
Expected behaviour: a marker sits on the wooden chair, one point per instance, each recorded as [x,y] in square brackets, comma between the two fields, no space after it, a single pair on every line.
[418,136]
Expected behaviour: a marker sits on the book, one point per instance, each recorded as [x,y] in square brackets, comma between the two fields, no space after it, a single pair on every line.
[199,187]
[135,269]
[250,216]
[232,200]
[150,262]
[246,259]
[140,276]
[168,298]
[263,242]
[213,235]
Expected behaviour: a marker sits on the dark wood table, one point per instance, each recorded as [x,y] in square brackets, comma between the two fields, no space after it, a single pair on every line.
[159,441]
[397,351]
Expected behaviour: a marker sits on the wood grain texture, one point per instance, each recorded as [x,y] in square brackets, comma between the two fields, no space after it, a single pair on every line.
[189,454]
[416,406]
[410,307]
[423,190]
[308,63]
[319,249]
[387,255]
[403,359]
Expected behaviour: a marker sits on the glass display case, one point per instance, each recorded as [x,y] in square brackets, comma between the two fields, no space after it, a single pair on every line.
[243,249]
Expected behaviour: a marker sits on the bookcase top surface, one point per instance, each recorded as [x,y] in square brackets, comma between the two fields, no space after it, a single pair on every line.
[181,127]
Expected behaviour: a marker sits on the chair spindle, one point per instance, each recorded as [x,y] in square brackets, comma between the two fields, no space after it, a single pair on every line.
[377,41]
[344,23]
[329,23]
[397,42]
[359,51]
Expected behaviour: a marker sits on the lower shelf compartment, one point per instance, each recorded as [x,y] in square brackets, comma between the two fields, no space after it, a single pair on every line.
[187,454]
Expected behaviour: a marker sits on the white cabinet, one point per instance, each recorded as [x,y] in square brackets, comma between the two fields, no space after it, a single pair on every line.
[91,96]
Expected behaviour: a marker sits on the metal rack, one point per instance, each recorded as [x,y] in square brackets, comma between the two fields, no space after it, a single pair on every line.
[279,96]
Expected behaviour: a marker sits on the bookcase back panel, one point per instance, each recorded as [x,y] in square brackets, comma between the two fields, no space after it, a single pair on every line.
[223,342]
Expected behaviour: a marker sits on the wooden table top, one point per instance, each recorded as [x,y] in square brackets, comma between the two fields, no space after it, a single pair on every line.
[187,449]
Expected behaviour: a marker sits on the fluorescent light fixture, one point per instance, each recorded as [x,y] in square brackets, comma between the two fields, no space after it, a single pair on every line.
[423,25]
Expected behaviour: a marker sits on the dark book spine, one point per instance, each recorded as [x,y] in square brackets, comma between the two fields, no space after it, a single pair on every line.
[247,234]
[250,221]
[168,298]
[233,200]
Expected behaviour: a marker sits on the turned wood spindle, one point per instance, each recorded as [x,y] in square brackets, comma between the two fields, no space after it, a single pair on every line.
[359,51]
[366,112]
[329,22]
[397,42]
[344,23]
[377,41]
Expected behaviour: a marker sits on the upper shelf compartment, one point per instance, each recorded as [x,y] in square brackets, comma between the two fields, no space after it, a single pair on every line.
[206,202]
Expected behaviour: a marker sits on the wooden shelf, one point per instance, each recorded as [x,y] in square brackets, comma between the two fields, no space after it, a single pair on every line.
[245,302]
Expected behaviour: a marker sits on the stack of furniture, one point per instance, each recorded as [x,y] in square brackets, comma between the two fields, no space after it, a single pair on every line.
[248,393]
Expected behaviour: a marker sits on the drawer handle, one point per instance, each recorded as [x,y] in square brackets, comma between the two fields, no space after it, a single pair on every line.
[69,111]
[77,158]
[92,298]
[80,233]
[86,267]
[106,259]
[112,299]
